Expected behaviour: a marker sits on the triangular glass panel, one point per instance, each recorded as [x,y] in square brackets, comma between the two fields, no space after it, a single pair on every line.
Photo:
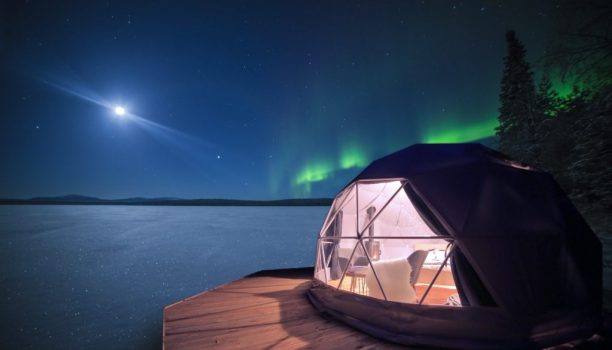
[342,216]
[372,200]
[359,277]
[320,270]
[399,218]
[335,255]
[436,285]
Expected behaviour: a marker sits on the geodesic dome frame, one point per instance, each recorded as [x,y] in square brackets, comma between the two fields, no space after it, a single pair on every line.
[372,222]
[522,262]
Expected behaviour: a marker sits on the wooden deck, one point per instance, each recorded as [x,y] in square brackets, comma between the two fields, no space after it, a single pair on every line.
[269,310]
[266,310]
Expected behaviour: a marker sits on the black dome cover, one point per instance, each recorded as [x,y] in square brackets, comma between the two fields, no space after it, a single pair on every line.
[519,233]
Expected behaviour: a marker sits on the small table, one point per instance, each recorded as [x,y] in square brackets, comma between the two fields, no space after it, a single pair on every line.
[358,282]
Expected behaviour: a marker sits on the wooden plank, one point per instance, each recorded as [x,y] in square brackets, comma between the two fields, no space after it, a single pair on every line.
[219,302]
[265,310]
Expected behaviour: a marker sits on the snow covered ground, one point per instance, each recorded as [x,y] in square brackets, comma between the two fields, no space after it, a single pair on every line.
[99,276]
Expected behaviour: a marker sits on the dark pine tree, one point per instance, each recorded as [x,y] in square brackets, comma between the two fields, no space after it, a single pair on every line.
[518,113]
[548,102]
[561,138]
[590,160]
[580,43]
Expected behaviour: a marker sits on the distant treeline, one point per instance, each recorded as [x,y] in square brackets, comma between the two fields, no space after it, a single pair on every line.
[83,200]
[569,135]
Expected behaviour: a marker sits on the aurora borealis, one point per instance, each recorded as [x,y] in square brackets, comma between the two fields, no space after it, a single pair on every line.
[319,171]
[461,133]
[239,99]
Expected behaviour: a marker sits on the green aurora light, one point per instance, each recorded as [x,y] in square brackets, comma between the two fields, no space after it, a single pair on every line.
[564,87]
[313,172]
[320,170]
[353,157]
[468,133]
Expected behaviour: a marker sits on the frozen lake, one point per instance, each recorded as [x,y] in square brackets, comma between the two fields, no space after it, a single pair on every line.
[78,277]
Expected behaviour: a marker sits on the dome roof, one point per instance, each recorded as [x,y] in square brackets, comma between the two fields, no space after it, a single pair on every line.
[523,261]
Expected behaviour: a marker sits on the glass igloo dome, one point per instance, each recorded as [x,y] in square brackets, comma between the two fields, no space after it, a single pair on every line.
[458,246]
[372,235]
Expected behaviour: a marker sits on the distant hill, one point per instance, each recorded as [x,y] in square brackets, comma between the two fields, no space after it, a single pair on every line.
[68,198]
[86,200]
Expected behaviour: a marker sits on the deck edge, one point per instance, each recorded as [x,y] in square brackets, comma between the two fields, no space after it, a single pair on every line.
[300,271]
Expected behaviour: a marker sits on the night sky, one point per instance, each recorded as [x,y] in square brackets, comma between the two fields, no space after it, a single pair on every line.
[252,100]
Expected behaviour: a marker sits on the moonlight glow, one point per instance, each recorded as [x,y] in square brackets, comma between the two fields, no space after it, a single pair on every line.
[120,111]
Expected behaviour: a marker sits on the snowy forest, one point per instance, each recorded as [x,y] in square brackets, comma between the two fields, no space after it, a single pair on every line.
[561,122]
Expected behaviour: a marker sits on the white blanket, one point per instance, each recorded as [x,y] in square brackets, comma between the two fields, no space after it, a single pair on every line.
[394,276]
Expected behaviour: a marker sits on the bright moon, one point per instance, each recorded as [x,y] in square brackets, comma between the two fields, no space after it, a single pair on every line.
[120,111]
